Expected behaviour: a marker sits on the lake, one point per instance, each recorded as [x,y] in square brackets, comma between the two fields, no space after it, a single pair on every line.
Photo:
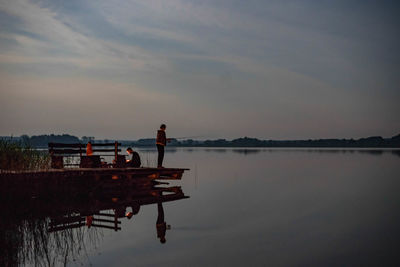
[255,207]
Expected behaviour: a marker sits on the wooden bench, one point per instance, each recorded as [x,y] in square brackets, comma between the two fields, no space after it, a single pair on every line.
[59,150]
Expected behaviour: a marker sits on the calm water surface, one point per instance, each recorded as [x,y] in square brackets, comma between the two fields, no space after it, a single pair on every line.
[268,207]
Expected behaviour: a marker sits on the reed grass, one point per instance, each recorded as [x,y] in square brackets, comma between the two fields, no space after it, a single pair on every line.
[18,156]
[28,242]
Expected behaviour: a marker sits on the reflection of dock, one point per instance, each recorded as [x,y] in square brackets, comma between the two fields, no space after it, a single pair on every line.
[51,214]
[107,210]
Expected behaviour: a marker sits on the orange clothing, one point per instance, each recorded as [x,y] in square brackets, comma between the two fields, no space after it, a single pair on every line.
[89,150]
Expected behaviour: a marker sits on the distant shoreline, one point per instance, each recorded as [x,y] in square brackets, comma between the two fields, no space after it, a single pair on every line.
[277,148]
[41,141]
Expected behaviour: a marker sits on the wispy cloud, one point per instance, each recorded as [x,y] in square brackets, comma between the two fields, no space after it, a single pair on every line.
[50,39]
[292,64]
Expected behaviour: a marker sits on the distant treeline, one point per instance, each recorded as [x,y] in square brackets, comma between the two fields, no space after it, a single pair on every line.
[375,141]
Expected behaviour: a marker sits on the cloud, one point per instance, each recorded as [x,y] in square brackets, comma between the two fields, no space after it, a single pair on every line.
[226,65]
[51,39]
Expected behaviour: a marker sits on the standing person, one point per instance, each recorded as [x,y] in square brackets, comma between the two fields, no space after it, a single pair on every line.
[161,142]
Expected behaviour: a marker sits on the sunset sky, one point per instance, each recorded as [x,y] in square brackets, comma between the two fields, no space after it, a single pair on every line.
[216,69]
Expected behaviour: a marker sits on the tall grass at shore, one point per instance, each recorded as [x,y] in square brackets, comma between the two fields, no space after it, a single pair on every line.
[17,156]
[32,244]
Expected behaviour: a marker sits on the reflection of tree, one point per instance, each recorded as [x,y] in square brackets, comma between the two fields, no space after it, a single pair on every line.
[246,151]
[53,230]
[396,152]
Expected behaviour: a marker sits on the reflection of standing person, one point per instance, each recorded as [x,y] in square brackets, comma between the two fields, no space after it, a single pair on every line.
[161,142]
[161,224]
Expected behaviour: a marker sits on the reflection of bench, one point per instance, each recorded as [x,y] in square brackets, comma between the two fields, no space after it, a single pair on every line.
[59,150]
[100,220]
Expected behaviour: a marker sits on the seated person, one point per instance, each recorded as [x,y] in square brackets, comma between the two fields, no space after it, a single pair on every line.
[89,149]
[135,161]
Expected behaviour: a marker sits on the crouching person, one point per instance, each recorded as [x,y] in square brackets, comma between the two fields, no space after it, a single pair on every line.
[134,162]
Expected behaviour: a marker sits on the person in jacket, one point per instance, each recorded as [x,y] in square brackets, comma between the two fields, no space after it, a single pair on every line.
[135,160]
[89,149]
[161,142]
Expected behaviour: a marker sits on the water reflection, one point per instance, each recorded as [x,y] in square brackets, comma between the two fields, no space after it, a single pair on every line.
[50,231]
[396,152]
[249,151]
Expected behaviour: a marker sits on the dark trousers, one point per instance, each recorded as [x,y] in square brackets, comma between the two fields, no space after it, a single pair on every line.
[160,159]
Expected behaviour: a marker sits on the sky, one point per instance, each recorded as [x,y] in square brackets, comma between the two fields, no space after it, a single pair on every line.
[117,69]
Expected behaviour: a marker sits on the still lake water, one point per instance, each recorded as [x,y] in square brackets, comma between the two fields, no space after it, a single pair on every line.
[263,207]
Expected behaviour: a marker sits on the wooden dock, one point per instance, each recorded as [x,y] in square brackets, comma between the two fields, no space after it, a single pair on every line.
[81,180]
[151,173]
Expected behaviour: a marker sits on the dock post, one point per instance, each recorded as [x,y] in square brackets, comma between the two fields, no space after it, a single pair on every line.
[116,151]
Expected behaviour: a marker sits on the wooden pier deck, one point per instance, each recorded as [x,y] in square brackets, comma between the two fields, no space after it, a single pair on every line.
[81,180]
[151,173]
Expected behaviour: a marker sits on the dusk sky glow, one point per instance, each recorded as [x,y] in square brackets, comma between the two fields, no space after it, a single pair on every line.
[217,69]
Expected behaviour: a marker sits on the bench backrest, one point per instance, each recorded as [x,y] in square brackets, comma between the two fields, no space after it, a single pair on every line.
[57,150]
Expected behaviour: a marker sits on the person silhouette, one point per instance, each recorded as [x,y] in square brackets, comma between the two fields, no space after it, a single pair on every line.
[161,142]
[135,210]
[161,225]
[135,161]
[89,149]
